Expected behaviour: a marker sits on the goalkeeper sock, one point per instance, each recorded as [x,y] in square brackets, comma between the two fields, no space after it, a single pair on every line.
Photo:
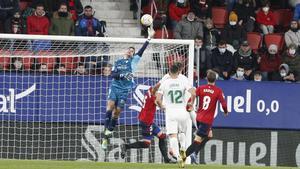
[196,146]
[112,124]
[163,149]
[174,146]
[138,144]
[107,118]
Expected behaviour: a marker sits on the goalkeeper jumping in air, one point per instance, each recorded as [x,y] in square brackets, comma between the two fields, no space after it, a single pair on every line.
[122,84]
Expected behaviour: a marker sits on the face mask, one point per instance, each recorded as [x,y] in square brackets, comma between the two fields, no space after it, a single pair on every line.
[257,80]
[239,73]
[294,29]
[283,73]
[190,18]
[217,76]
[232,23]
[202,2]
[292,51]
[222,50]
[265,9]
[63,14]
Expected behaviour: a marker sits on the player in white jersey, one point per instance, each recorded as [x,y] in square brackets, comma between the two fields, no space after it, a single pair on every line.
[174,90]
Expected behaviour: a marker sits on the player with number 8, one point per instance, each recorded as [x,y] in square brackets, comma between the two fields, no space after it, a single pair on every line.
[209,95]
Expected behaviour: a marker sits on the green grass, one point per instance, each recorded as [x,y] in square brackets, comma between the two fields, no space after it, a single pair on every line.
[40,164]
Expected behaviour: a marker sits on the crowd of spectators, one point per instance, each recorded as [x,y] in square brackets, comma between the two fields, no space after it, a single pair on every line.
[53,17]
[227,49]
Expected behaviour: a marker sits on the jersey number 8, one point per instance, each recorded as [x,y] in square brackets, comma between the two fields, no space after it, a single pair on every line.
[206,101]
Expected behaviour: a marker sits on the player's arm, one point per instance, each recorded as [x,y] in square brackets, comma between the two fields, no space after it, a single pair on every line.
[150,35]
[223,102]
[159,94]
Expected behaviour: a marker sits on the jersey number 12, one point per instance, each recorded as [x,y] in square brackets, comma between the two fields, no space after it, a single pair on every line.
[176,96]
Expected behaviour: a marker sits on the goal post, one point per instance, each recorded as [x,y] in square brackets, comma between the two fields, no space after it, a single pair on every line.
[54,112]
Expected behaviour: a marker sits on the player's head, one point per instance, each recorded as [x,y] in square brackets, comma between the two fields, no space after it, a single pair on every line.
[179,65]
[211,77]
[130,52]
[175,69]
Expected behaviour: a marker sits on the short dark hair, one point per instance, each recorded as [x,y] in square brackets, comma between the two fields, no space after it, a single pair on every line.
[211,76]
[63,4]
[80,64]
[199,37]
[175,68]
[39,5]
[257,73]
[222,42]
[88,7]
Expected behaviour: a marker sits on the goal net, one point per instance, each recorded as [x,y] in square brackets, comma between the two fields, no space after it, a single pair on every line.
[54,91]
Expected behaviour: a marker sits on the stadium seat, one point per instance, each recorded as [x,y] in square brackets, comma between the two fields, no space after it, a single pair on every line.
[283,18]
[175,58]
[48,58]
[255,40]
[4,61]
[219,16]
[274,38]
[27,61]
[69,62]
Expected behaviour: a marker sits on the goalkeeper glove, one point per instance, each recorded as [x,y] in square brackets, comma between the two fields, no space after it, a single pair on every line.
[151,32]
[127,76]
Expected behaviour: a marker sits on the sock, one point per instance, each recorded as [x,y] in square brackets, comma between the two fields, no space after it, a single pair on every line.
[163,149]
[196,146]
[181,138]
[112,124]
[174,146]
[138,144]
[107,118]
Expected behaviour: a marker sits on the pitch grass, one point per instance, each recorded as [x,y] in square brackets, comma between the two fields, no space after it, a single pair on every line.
[41,164]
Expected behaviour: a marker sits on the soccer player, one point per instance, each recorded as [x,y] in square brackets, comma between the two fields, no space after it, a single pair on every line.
[122,84]
[208,95]
[149,128]
[173,91]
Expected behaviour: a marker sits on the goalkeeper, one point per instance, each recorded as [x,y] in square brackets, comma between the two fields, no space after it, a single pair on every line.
[122,83]
[149,128]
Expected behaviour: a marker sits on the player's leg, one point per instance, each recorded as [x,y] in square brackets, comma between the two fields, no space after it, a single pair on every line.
[162,142]
[182,129]
[120,104]
[172,130]
[144,143]
[204,133]
[109,111]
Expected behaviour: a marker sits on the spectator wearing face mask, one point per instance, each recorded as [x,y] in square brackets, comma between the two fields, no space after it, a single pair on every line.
[292,58]
[283,74]
[189,27]
[176,12]
[292,36]
[270,61]
[211,35]
[61,22]
[202,59]
[15,24]
[257,76]
[233,33]
[239,74]
[247,59]
[222,59]
[265,19]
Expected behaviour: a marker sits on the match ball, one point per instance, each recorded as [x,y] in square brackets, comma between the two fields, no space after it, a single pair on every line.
[146,20]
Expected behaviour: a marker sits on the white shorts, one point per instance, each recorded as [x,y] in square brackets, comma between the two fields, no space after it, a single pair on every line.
[176,121]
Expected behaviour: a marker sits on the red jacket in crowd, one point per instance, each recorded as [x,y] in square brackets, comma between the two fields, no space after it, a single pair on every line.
[175,13]
[37,25]
[264,19]
[270,63]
